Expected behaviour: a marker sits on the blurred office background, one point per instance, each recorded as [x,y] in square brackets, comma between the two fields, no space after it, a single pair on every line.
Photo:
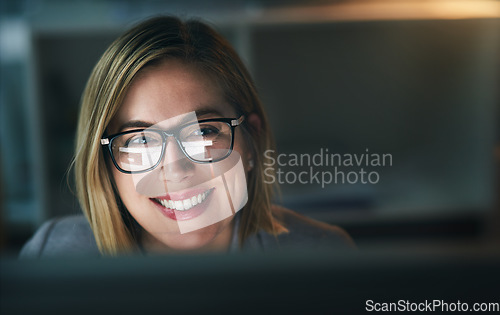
[415,79]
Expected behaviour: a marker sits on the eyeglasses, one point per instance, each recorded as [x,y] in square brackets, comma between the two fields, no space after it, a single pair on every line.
[141,150]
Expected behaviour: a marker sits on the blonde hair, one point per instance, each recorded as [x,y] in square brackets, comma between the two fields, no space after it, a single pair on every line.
[149,42]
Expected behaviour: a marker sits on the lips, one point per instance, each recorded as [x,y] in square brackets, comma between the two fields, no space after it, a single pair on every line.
[185,205]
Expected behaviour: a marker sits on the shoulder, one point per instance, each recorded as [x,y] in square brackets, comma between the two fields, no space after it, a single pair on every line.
[304,232]
[69,235]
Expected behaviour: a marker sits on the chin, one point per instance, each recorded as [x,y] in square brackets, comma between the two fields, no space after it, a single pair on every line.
[199,240]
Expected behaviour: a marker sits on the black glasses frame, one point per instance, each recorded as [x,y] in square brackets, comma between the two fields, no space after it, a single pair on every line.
[232,123]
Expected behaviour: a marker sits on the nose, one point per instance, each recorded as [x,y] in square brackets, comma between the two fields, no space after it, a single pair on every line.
[175,167]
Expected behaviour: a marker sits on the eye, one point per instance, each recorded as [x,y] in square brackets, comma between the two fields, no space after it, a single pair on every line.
[210,131]
[206,131]
[143,139]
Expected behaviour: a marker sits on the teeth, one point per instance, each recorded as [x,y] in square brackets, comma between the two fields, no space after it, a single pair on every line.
[179,205]
[186,204]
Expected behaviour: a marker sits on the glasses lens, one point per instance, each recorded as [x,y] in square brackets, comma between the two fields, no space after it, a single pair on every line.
[206,141]
[137,151]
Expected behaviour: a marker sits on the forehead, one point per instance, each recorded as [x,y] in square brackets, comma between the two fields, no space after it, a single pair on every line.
[167,90]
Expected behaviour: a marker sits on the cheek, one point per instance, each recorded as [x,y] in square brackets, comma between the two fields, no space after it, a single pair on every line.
[126,189]
[120,181]
[242,146]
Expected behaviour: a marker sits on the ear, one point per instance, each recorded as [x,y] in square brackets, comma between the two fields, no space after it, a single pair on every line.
[255,122]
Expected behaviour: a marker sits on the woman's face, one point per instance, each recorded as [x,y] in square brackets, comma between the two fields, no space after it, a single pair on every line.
[164,97]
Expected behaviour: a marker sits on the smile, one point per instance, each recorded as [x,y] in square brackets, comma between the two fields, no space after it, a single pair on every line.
[184,204]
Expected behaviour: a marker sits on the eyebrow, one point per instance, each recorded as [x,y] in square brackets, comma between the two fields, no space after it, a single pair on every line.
[136,124]
[208,111]
[140,124]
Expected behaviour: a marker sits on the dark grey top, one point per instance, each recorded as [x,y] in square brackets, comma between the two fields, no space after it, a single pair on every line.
[72,235]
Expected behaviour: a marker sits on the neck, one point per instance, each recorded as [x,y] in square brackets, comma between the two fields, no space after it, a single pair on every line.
[220,243]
